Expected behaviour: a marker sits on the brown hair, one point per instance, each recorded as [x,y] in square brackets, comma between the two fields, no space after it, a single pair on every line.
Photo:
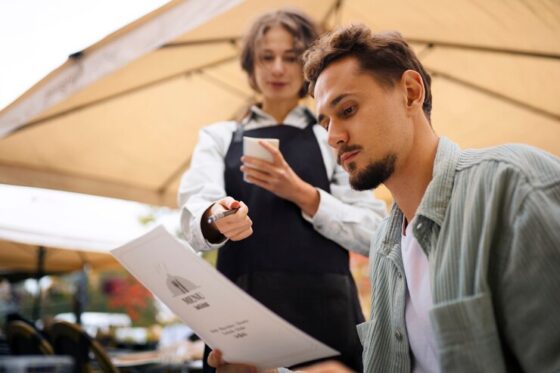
[386,55]
[296,23]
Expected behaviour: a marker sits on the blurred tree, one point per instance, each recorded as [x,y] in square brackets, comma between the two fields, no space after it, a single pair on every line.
[128,295]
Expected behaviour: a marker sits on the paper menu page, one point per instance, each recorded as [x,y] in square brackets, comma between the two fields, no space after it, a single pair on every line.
[222,314]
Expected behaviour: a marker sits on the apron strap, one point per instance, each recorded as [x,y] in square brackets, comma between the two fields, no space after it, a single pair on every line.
[238,134]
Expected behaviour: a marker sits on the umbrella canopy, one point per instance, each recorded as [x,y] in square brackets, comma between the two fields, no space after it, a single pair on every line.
[124,124]
[22,260]
[47,232]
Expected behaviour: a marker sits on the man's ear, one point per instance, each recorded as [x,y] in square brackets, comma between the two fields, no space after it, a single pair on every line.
[414,88]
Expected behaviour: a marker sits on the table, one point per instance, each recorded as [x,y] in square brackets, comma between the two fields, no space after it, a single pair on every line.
[181,357]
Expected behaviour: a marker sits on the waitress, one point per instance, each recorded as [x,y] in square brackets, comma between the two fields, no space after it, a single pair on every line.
[296,217]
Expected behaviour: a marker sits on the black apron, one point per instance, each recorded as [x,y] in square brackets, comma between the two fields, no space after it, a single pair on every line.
[286,264]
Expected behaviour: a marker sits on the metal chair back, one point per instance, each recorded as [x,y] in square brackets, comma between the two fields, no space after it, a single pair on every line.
[23,339]
[71,339]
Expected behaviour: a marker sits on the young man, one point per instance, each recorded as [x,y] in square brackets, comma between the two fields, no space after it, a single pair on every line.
[464,273]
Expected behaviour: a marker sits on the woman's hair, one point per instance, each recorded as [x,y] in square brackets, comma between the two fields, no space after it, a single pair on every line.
[385,55]
[300,26]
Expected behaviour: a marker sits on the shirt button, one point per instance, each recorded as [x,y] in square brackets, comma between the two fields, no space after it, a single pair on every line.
[399,275]
[398,335]
[319,226]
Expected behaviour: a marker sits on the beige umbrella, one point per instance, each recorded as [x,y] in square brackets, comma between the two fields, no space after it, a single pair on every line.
[128,131]
[52,232]
[20,259]
[44,232]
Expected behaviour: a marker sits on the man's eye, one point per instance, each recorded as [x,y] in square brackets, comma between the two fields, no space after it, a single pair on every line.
[291,59]
[267,58]
[348,111]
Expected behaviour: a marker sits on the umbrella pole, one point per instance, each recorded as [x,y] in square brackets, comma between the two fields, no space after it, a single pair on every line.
[40,273]
[80,294]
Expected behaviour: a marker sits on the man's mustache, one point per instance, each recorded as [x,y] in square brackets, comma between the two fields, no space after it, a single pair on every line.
[346,149]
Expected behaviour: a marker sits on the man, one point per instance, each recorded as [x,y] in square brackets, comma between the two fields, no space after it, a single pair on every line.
[464,272]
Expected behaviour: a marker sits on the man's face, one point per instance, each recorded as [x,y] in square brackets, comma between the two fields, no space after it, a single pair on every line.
[367,122]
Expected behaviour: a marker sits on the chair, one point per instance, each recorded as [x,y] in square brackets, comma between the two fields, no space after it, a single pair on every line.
[71,339]
[23,339]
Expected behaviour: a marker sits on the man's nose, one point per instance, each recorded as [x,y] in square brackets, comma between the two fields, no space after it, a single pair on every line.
[336,135]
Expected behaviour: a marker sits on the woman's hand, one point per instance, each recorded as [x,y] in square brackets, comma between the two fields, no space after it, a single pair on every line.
[234,227]
[279,178]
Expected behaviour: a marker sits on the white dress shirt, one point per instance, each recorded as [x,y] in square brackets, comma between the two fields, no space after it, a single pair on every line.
[345,216]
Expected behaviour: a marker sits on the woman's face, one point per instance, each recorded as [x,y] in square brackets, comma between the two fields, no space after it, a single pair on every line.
[278,71]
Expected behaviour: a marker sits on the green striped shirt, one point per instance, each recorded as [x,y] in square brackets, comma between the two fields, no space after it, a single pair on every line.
[489,223]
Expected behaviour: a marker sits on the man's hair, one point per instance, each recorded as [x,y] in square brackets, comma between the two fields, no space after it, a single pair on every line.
[299,25]
[386,55]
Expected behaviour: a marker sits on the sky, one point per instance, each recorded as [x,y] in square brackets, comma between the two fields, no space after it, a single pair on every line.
[37,36]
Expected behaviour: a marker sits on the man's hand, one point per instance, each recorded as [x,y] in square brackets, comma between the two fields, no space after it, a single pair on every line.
[279,178]
[330,366]
[234,227]
[215,360]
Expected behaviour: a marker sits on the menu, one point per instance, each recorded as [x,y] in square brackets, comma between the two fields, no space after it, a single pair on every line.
[219,312]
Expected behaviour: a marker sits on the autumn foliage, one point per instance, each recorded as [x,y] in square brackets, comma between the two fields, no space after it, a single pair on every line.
[129,295]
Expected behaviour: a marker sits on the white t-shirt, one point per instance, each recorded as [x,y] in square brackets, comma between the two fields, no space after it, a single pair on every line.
[418,304]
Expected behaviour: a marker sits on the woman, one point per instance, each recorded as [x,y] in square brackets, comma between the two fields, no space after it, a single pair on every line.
[294,216]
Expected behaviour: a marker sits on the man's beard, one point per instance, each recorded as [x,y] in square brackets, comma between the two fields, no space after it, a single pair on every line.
[374,174]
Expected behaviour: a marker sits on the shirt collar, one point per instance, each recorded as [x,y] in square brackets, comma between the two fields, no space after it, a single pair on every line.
[436,198]
[433,205]
[299,117]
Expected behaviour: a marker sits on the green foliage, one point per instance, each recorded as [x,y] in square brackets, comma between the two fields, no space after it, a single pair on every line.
[210,256]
